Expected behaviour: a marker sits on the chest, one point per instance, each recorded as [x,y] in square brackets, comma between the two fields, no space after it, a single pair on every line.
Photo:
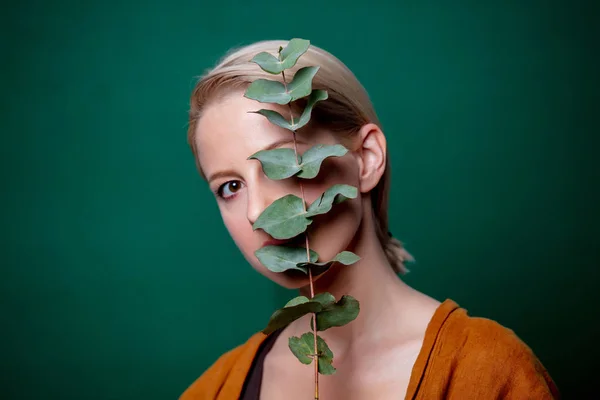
[378,373]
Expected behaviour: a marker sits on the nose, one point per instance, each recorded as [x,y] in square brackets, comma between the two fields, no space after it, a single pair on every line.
[260,196]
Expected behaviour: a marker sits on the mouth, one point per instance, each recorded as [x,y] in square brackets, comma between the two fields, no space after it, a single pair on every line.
[297,241]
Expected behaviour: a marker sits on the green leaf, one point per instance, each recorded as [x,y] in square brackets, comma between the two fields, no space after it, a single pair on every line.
[284,218]
[345,257]
[268,91]
[282,258]
[303,347]
[334,195]
[297,300]
[315,96]
[277,163]
[325,357]
[313,157]
[301,85]
[292,52]
[326,299]
[268,62]
[275,118]
[288,314]
[281,163]
[338,314]
[287,57]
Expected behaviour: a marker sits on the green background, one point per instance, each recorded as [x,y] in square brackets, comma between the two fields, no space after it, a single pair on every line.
[119,280]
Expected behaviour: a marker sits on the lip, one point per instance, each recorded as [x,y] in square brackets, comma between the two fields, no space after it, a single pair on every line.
[275,242]
[278,242]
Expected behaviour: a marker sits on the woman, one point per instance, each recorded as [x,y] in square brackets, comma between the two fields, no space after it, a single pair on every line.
[403,344]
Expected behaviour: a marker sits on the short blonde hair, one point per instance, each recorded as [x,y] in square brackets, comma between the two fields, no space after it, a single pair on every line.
[347,109]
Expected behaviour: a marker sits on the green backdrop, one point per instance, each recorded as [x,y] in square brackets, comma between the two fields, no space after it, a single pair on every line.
[119,280]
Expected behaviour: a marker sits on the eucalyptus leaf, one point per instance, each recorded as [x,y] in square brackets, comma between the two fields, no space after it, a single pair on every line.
[325,356]
[277,163]
[303,347]
[297,300]
[282,258]
[287,57]
[334,195]
[345,257]
[284,218]
[268,62]
[339,314]
[313,157]
[268,91]
[315,96]
[275,118]
[301,85]
[326,299]
[288,314]
[292,52]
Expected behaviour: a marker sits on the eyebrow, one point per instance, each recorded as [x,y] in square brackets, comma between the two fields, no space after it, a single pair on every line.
[274,145]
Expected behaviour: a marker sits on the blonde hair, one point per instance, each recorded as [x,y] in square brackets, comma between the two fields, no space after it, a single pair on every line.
[346,110]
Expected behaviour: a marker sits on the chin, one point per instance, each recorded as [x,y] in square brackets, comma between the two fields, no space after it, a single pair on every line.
[292,280]
[289,279]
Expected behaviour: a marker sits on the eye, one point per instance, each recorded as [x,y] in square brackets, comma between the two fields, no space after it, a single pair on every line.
[228,189]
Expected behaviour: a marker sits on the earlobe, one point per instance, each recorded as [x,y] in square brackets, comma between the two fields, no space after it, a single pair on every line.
[372,153]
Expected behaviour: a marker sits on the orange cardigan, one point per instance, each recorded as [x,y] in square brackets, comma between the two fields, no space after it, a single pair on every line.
[462,357]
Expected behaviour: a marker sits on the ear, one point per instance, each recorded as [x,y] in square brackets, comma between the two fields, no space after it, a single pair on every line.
[371,152]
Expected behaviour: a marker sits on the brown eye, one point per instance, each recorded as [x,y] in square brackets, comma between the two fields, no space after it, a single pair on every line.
[228,189]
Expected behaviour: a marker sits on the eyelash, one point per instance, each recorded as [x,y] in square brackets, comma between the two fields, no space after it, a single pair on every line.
[219,191]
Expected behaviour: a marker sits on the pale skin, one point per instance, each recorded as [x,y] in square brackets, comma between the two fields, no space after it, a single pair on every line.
[374,354]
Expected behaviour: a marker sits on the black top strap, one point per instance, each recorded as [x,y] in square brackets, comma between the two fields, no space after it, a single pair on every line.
[252,384]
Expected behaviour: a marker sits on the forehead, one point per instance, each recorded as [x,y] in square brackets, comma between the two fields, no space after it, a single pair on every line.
[229,120]
[228,132]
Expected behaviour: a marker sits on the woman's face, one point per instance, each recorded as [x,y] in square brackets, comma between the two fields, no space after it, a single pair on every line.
[226,135]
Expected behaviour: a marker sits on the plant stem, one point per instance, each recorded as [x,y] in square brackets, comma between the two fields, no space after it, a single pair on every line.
[310,277]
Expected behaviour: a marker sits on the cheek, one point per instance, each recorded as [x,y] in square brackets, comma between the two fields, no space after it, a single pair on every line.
[244,237]
[333,171]
[238,226]
[333,232]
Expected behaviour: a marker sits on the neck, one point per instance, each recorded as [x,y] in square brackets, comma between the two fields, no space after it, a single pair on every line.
[383,297]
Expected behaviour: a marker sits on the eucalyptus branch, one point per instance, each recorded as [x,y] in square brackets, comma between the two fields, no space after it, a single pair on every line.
[310,277]
[290,215]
